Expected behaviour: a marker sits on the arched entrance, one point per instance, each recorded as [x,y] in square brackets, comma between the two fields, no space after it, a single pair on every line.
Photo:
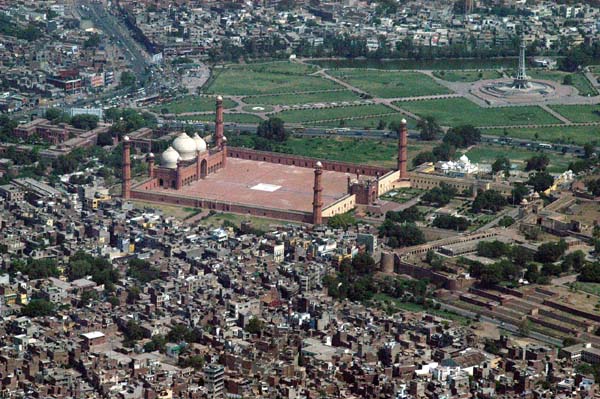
[203,168]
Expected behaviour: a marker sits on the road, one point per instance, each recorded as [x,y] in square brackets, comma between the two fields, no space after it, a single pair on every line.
[385,134]
[505,326]
[119,33]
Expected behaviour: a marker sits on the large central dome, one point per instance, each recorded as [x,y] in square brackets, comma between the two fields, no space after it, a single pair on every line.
[185,146]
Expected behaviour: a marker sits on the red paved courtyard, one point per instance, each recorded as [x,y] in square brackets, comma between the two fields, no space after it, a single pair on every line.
[279,186]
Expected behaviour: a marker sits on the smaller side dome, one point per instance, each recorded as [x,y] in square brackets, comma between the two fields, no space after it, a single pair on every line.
[169,158]
[200,143]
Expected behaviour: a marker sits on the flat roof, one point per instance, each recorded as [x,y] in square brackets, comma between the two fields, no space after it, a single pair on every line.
[93,335]
[265,184]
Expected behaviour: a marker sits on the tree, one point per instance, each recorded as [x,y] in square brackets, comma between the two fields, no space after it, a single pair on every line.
[423,157]
[401,235]
[593,186]
[429,128]
[541,181]
[501,164]
[440,196]
[254,326]
[489,200]
[493,249]
[85,122]
[104,139]
[537,162]
[408,215]
[525,327]
[92,41]
[272,129]
[451,222]
[588,150]
[56,116]
[590,273]
[132,331]
[128,80]
[573,261]
[142,271]
[518,192]
[568,80]
[87,297]
[341,221]
[363,264]
[506,221]
[532,274]
[550,251]
[444,152]
[462,136]
[38,308]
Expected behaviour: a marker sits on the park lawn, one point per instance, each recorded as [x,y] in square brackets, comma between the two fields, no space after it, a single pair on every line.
[467,76]
[371,122]
[192,104]
[580,82]
[460,111]
[390,84]
[251,108]
[563,135]
[282,67]
[489,153]
[308,115]
[304,98]
[178,212]
[579,113]
[363,151]
[228,118]
[590,288]
[416,308]
[245,82]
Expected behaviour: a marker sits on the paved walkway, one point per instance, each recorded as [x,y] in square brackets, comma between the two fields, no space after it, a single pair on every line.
[555,114]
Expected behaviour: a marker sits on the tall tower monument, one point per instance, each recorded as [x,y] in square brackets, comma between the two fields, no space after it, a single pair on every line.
[126,189]
[317,215]
[521,80]
[403,150]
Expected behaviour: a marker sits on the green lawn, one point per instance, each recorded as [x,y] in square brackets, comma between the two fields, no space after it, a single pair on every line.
[192,104]
[228,118]
[460,111]
[590,288]
[414,307]
[371,122]
[568,134]
[308,115]
[580,82]
[579,113]
[257,108]
[363,151]
[389,84]
[246,82]
[304,98]
[467,76]
[281,67]
[489,153]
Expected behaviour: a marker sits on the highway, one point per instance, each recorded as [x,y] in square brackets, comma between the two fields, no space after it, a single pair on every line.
[386,134]
[118,32]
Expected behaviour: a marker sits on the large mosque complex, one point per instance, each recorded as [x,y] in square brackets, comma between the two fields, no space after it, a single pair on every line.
[193,173]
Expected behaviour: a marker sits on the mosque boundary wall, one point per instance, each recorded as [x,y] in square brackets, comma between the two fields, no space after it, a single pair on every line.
[305,162]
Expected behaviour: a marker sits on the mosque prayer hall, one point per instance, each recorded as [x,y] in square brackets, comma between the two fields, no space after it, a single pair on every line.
[192,173]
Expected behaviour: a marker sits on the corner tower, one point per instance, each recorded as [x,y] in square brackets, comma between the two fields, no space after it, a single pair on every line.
[219,122]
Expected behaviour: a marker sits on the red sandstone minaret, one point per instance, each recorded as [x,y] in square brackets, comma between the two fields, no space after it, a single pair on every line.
[219,123]
[403,150]
[126,190]
[178,181]
[151,165]
[318,190]
[224,151]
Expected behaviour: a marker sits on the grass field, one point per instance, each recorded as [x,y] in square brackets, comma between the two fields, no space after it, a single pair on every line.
[246,82]
[460,111]
[304,98]
[229,118]
[192,104]
[281,67]
[391,84]
[590,288]
[467,76]
[580,82]
[414,307]
[579,113]
[363,151]
[565,135]
[366,122]
[308,115]
[257,108]
[489,153]
[263,224]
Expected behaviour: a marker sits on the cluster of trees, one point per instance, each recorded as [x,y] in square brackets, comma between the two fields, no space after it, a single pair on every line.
[593,185]
[9,27]
[488,200]
[401,234]
[342,221]
[408,215]
[354,279]
[501,164]
[457,137]
[142,270]
[272,129]
[451,222]
[83,121]
[38,308]
[126,120]
[82,264]
[440,195]
[34,268]
[497,272]
[128,80]
[540,181]
[537,162]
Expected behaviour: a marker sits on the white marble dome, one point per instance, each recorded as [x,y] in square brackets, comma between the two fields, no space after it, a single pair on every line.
[200,143]
[169,158]
[185,146]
